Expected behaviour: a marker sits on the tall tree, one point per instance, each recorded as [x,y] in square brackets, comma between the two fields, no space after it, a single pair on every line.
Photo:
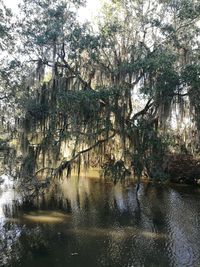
[106,96]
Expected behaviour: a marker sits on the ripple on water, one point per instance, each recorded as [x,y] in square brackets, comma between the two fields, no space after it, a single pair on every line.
[97,224]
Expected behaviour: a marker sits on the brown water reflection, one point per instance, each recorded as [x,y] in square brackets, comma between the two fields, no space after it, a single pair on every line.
[89,222]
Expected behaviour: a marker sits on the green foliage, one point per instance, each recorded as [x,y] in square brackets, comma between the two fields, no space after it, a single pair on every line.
[191,75]
[115,171]
[37,111]
[28,166]
[46,23]
[160,66]
[5,26]
[188,9]
[142,50]
[149,150]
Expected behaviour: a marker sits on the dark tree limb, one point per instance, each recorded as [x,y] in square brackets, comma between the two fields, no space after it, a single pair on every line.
[148,105]
[43,169]
[66,163]
[181,95]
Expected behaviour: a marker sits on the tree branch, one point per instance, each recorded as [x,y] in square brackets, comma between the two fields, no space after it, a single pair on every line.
[66,163]
[136,80]
[43,169]
[144,110]
[178,94]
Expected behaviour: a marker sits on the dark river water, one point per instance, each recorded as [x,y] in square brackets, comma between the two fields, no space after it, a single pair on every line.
[94,223]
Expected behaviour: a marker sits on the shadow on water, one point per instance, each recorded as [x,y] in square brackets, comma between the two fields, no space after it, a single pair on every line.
[86,222]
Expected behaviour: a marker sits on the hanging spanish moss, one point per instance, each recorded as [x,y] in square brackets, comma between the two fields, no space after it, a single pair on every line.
[118,99]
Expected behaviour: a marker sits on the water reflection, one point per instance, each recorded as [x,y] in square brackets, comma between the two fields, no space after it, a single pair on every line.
[87,222]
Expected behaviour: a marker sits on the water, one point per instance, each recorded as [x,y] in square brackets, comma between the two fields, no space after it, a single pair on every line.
[94,223]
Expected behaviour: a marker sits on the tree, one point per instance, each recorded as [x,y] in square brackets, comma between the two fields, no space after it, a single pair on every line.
[6,44]
[109,95]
